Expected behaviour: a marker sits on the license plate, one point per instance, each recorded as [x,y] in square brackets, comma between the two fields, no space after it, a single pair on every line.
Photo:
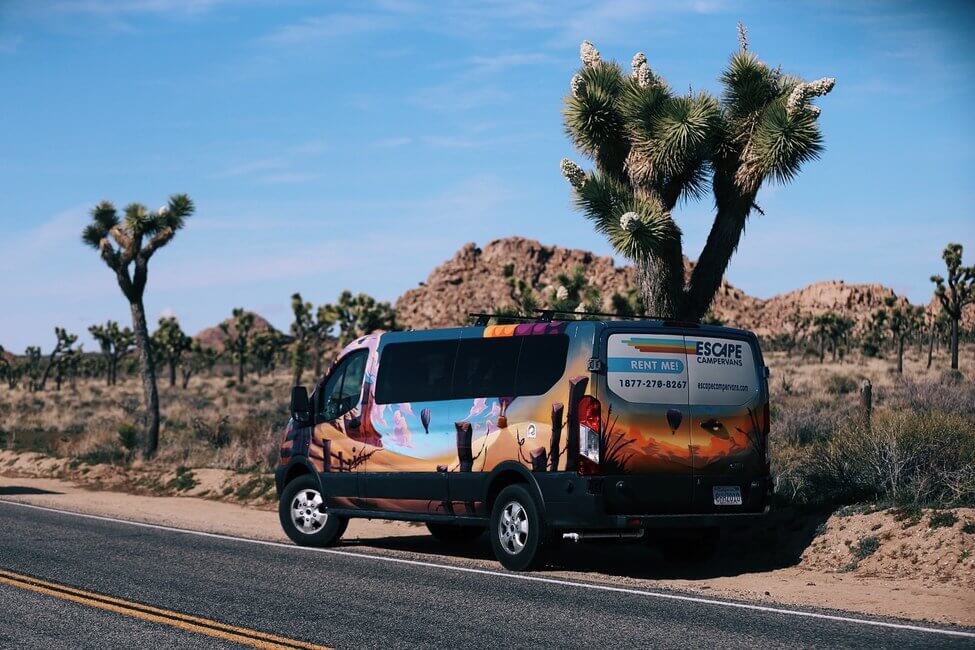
[726,495]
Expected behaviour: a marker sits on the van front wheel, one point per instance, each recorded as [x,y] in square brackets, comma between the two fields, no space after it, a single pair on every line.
[304,519]
[517,529]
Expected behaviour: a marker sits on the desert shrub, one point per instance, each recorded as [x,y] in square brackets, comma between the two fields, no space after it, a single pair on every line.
[98,455]
[944,395]
[968,528]
[806,422]
[942,519]
[865,547]
[184,480]
[128,436]
[840,384]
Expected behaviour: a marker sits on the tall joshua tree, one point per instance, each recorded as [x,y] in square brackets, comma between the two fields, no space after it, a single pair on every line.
[126,245]
[63,347]
[955,293]
[653,147]
[901,320]
[171,342]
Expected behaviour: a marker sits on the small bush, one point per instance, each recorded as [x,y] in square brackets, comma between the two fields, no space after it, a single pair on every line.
[865,547]
[968,528]
[837,384]
[128,437]
[942,519]
[184,480]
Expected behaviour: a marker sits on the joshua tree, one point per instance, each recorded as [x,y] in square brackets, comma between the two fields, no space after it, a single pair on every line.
[170,342]
[32,366]
[939,324]
[834,328]
[574,293]
[115,343]
[126,246]
[237,338]
[63,346]
[653,147]
[360,315]
[901,320]
[199,359]
[311,330]
[955,293]
[264,349]
[799,324]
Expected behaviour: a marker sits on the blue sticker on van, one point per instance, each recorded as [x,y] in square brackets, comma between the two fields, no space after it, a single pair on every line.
[646,364]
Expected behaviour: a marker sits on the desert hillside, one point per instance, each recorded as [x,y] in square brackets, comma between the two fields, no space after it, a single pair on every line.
[476,280]
[213,337]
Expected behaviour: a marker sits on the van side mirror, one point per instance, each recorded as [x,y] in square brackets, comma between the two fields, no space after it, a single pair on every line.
[300,410]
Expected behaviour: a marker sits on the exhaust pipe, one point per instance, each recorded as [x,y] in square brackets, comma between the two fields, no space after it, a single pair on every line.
[624,534]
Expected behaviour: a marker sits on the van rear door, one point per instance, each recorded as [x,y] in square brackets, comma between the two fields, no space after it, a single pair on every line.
[646,445]
[728,401]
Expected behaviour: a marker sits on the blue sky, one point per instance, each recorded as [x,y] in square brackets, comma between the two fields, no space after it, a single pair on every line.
[334,145]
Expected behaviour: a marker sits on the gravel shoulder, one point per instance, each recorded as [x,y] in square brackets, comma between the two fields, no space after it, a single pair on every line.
[933,599]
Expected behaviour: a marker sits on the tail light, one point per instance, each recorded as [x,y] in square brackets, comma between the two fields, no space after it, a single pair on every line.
[590,423]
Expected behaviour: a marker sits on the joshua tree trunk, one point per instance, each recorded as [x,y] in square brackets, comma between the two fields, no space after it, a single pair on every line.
[900,355]
[661,284]
[954,344]
[729,222]
[148,368]
[172,372]
[930,348]
[240,369]
[822,348]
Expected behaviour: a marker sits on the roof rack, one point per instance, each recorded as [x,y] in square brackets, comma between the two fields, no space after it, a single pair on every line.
[481,319]
[546,314]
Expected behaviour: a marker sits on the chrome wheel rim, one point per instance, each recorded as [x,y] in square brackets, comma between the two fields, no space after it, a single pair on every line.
[513,528]
[308,511]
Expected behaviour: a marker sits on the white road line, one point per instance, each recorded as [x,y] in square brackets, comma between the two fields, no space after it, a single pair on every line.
[513,576]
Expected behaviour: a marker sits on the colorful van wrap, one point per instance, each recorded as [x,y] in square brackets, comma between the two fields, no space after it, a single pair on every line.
[680,410]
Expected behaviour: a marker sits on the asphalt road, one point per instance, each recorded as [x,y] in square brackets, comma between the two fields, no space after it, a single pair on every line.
[349,598]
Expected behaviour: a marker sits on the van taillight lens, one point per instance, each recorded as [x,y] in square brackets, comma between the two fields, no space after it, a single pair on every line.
[590,419]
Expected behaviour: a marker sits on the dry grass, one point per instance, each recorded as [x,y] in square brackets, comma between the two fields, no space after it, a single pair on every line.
[213,423]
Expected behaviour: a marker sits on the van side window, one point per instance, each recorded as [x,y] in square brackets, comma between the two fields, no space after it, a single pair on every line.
[341,392]
[415,372]
[486,367]
[542,363]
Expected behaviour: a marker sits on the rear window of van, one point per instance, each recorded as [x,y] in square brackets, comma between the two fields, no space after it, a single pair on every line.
[677,369]
[478,367]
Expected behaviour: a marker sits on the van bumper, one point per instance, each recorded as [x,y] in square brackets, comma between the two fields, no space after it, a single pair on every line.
[575,502]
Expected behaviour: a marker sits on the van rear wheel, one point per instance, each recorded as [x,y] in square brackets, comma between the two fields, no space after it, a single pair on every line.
[518,533]
[454,535]
[303,516]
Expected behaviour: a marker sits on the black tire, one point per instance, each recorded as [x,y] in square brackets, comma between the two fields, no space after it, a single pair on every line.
[454,535]
[329,528]
[518,546]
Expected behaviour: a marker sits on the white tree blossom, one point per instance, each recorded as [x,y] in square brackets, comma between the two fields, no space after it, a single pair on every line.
[802,93]
[589,54]
[742,36]
[573,173]
[561,293]
[630,221]
[576,85]
[641,70]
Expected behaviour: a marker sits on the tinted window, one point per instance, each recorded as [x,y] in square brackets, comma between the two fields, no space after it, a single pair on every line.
[486,367]
[415,372]
[542,363]
[341,391]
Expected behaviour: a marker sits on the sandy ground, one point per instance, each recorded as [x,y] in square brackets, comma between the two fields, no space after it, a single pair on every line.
[943,602]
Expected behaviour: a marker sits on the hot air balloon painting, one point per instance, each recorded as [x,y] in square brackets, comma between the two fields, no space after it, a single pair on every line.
[674,417]
[425,420]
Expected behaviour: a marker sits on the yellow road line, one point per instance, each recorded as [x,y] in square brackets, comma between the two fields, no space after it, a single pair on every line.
[241,635]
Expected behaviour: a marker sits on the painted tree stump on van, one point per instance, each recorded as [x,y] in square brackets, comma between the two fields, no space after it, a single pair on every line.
[327,455]
[554,452]
[465,454]
[577,389]
[539,459]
